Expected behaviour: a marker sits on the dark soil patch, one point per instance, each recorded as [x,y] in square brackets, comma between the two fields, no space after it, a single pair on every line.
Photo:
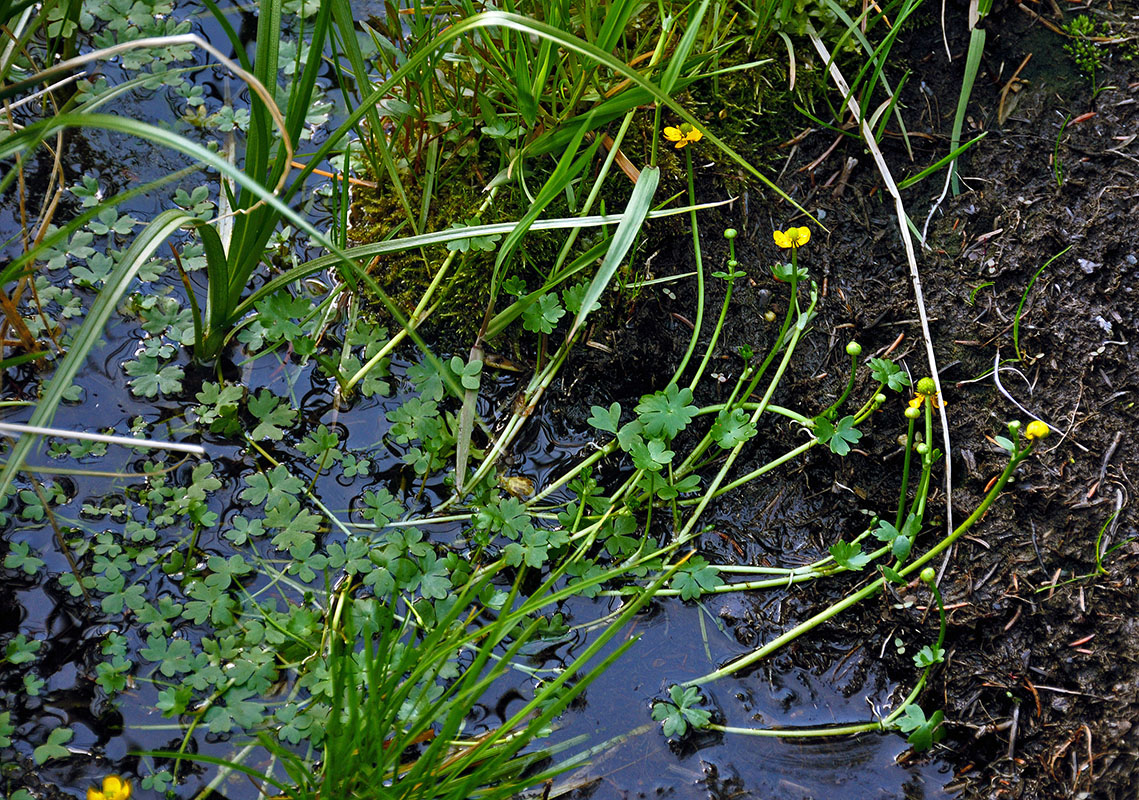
[1041,690]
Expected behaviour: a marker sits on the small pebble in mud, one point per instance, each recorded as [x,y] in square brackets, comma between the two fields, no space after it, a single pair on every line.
[1088,266]
[762,299]
[1131,259]
[517,485]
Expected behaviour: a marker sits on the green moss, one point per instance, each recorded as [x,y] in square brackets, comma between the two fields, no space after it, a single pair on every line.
[405,276]
[1087,54]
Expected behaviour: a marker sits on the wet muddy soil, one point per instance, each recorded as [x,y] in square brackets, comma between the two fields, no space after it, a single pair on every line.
[1041,685]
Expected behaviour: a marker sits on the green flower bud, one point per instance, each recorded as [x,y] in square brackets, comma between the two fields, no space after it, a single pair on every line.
[913,412]
[928,576]
[730,233]
[853,349]
[927,386]
[922,448]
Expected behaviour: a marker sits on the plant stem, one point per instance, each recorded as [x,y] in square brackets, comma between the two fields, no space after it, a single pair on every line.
[694,340]
[905,476]
[867,591]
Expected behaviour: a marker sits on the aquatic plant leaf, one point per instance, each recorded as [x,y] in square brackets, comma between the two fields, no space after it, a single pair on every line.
[888,373]
[277,314]
[21,650]
[732,428]
[574,296]
[605,419]
[665,491]
[666,413]
[321,444]
[849,555]
[6,728]
[923,732]
[19,557]
[651,455]
[436,579]
[543,315]
[150,379]
[270,487]
[823,429]
[845,434]
[54,746]
[675,717]
[380,507]
[696,577]
[129,596]
[885,532]
[469,374]
[273,414]
[174,655]
[111,675]
[892,576]
[928,656]
[901,548]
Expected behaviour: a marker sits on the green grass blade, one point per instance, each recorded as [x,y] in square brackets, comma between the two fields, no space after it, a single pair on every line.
[219,305]
[1024,297]
[632,220]
[568,168]
[368,251]
[683,48]
[570,43]
[342,15]
[616,21]
[972,64]
[925,173]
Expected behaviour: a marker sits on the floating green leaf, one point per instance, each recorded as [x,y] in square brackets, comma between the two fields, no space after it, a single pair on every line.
[666,413]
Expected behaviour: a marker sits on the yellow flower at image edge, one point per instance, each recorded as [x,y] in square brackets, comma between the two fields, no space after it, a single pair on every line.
[114,788]
[1036,430]
[792,237]
[683,136]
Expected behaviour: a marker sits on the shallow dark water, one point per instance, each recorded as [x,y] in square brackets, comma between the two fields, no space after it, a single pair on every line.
[673,646]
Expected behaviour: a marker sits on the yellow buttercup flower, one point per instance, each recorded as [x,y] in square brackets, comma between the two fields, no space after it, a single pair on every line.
[1036,430]
[683,136]
[926,387]
[917,400]
[114,788]
[792,237]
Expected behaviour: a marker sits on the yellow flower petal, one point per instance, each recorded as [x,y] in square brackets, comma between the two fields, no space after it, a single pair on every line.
[694,135]
[915,402]
[800,236]
[94,794]
[781,239]
[115,788]
[1036,430]
[673,135]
